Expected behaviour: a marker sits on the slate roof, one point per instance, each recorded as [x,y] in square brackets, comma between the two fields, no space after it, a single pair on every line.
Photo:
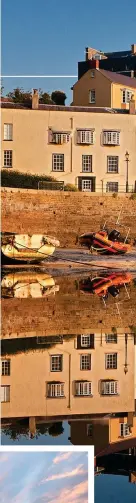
[118,78]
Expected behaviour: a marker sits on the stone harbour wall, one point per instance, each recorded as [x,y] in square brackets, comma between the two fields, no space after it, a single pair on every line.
[64,214]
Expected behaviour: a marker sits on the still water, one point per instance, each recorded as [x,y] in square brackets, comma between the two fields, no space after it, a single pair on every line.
[114,489]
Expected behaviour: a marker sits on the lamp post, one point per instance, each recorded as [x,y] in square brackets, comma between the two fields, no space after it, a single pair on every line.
[127,161]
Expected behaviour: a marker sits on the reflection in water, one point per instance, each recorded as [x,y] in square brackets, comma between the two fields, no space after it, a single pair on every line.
[49,382]
[68,371]
[116,476]
[104,285]
[27,284]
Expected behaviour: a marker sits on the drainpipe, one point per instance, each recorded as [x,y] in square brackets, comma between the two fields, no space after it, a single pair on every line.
[69,401]
[71,146]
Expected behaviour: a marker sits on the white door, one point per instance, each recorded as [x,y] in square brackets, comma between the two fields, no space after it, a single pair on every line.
[87,185]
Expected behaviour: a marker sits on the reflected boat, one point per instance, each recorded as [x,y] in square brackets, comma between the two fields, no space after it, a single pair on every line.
[27,284]
[105,242]
[103,285]
[26,248]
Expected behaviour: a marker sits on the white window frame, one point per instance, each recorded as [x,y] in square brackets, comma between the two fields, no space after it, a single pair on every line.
[85,136]
[5,367]
[5,393]
[92,96]
[111,137]
[85,361]
[112,186]
[111,361]
[85,184]
[60,137]
[83,388]
[113,164]
[8,131]
[85,340]
[124,430]
[8,158]
[109,338]
[55,390]
[58,162]
[109,387]
[58,367]
[126,95]
[86,163]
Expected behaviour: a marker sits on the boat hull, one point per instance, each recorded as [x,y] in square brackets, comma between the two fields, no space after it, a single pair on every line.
[27,284]
[19,248]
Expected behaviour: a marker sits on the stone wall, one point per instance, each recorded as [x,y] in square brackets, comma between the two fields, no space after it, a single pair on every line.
[68,312]
[64,214]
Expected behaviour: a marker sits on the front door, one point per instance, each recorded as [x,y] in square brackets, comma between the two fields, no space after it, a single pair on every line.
[86,184]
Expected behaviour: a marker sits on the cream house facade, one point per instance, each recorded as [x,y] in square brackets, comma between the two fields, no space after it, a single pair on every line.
[85,375]
[77,145]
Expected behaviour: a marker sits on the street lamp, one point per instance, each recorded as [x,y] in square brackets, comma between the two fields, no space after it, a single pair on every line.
[127,161]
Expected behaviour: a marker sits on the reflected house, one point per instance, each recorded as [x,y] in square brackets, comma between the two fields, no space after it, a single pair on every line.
[81,376]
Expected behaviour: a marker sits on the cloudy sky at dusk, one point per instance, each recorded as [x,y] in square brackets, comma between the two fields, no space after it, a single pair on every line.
[43,477]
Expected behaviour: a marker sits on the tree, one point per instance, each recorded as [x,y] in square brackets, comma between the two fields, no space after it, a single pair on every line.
[18,95]
[45,98]
[58,97]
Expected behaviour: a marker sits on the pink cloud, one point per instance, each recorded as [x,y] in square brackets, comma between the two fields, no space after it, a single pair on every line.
[77,494]
[77,471]
[62,457]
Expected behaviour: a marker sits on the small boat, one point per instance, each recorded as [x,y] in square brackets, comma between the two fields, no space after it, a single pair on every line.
[26,248]
[103,285]
[27,284]
[105,242]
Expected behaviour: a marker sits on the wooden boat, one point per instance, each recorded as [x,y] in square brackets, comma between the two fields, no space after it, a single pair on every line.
[103,285]
[26,248]
[27,284]
[105,242]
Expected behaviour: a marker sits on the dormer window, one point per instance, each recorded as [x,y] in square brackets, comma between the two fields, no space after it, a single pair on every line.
[111,137]
[59,137]
[85,136]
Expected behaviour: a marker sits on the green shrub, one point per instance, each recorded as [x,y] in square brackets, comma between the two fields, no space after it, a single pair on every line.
[133,196]
[70,187]
[22,180]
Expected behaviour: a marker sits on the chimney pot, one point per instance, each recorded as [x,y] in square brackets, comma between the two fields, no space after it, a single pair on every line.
[35,99]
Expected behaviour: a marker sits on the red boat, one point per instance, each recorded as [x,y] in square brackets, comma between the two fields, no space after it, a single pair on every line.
[105,242]
[103,285]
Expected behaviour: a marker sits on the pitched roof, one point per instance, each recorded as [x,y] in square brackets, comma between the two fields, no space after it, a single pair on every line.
[118,78]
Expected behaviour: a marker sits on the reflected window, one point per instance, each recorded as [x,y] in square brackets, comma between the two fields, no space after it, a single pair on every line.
[89,430]
[5,367]
[111,361]
[83,388]
[56,363]
[5,394]
[55,390]
[111,338]
[109,387]
[124,430]
[85,341]
[85,362]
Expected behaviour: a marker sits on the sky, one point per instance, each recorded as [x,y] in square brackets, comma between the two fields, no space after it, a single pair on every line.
[48,37]
[43,477]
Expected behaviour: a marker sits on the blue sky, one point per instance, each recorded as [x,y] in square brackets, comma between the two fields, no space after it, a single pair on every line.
[49,37]
[43,477]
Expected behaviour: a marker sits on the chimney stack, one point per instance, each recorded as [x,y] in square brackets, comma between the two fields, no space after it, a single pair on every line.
[133,48]
[35,99]
[132,74]
[132,105]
